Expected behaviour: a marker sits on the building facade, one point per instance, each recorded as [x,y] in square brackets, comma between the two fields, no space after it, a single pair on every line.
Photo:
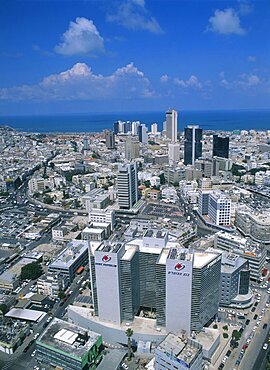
[171,125]
[127,179]
[220,146]
[193,144]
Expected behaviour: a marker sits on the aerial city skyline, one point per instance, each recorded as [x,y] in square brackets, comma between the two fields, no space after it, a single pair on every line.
[135,185]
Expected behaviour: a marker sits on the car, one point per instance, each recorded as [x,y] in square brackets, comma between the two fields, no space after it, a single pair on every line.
[33,354]
[264,326]
[221,366]
[255,317]
[253,309]
[247,322]
[265,346]
[124,366]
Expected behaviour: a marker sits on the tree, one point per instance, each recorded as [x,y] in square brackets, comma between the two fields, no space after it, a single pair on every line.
[215,326]
[236,335]
[129,333]
[162,179]
[61,294]
[3,308]
[225,327]
[225,335]
[31,271]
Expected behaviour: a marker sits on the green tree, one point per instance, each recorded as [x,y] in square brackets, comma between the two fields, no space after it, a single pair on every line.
[225,335]
[31,271]
[3,308]
[129,333]
[215,326]
[47,199]
[236,335]
[61,294]
[162,179]
[225,327]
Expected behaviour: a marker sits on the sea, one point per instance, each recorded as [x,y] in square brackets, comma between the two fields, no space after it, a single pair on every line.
[221,120]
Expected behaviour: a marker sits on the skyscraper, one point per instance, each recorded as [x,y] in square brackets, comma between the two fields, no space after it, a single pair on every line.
[154,128]
[220,146]
[171,125]
[132,148]
[110,139]
[142,133]
[193,144]
[127,185]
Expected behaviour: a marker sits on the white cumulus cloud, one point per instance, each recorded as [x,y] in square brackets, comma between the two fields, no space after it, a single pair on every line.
[226,22]
[164,78]
[132,14]
[192,82]
[82,37]
[80,83]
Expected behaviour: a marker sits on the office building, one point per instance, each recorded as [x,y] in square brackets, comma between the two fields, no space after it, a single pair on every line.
[142,133]
[132,148]
[174,152]
[70,259]
[51,284]
[145,277]
[171,125]
[110,139]
[154,128]
[127,179]
[102,216]
[220,146]
[235,276]
[178,353]
[85,143]
[219,208]
[253,252]
[193,144]
[67,346]
[253,224]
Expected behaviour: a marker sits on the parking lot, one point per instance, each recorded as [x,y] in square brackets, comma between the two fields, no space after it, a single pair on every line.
[164,211]
[13,223]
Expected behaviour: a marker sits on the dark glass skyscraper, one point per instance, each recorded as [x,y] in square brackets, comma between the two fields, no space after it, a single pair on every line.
[193,144]
[220,146]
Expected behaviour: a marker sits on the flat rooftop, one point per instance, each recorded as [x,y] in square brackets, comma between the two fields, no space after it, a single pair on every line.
[68,338]
[25,314]
[203,258]
[178,348]
[70,254]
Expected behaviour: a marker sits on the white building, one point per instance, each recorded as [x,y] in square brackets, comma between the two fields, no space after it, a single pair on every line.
[102,216]
[127,179]
[171,125]
[174,152]
[154,128]
[219,208]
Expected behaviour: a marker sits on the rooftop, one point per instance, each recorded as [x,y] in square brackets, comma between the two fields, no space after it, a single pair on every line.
[69,338]
[74,250]
[176,347]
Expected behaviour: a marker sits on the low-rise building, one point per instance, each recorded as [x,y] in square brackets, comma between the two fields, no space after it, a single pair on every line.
[9,280]
[51,284]
[68,346]
[246,248]
[70,259]
[178,353]
[12,334]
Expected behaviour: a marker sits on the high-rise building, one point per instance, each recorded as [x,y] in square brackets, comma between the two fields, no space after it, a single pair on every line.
[154,128]
[171,125]
[132,148]
[220,146]
[116,127]
[180,286]
[193,144]
[219,208]
[174,152]
[142,133]
[127,180]
[85,143]
[110,139]
[235,276]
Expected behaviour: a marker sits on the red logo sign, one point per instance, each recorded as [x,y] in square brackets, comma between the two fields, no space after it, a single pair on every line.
[179,267]
[106,258]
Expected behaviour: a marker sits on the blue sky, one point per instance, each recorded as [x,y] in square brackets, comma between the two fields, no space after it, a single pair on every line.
[133,55]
